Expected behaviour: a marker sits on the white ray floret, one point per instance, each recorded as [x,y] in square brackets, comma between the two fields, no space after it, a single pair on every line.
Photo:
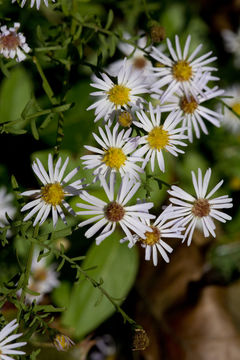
[164,227]
[122,94]
[114,154]
[7,349]
[159,136]
[33,2]
[181,70]
[51,196]
[108,215]
[200,208]
[13,44]
[193,113]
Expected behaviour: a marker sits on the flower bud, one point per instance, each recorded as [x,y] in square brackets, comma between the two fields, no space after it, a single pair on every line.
[140,340]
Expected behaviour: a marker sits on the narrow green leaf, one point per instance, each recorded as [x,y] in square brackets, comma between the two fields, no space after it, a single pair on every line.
[109,19]
[34,129]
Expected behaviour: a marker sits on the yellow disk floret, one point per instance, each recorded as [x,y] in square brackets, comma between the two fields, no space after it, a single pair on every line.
[188,106]
[182,71]
[114,158]
[151,237]
[158,138]
[236,108]
[119,95]
[52,194]
[125,119]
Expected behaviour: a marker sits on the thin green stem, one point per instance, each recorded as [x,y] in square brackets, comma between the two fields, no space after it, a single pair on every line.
[146,10]
[229,107]
[27,271]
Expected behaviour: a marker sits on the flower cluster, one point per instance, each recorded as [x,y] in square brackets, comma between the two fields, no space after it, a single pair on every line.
[124,148]
[182,84]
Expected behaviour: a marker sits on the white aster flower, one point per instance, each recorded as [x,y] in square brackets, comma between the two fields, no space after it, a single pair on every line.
[42,280]
[7,349]
[6,206]
[232,44]
[159,137]
[229,120]
[120,95]
[199,209]
[13,44]
[38,3]
[136,58]
[180,70]
[163,227]
[109,214]
[52,193]
[193,113]
[114,154]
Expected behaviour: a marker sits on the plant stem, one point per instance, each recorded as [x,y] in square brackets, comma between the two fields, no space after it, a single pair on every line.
[229,107]
[27,271]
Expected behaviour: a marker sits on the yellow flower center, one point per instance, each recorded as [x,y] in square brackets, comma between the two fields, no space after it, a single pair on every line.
[201,207]
[182,71]
[52,194]
[158,138]
[235,183]
[236,108]
[151,237]
[114,158]
[188,106]
[114,212]
[11,41]
[119,95]
[125,119]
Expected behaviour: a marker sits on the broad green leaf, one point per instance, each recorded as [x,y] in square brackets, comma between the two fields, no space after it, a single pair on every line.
[117,265]
[173,18]
[15,92]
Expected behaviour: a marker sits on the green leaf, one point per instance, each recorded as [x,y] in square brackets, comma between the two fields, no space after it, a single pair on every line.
[109,19]
[117,265]
[61,294]
[15,92]
[67,6]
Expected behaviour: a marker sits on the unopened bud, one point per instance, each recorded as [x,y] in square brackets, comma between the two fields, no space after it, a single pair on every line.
[140,340]
[125,119]
[157,32]
[62,342]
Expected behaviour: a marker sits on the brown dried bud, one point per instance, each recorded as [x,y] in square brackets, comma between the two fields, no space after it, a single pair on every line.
[140,340]
[157,33]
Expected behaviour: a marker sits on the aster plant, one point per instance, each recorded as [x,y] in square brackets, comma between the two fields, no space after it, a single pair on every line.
[118,187]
